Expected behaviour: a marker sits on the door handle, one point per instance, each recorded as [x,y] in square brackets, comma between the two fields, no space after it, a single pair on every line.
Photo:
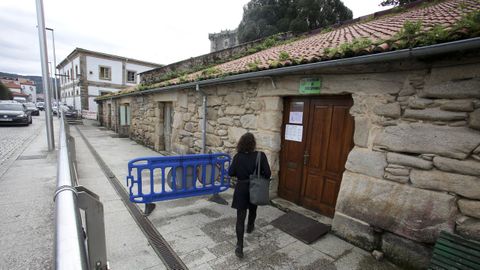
[305,158]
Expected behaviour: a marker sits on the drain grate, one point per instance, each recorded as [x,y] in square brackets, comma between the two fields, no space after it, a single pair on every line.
[31,157]
[74,122]
[158,243]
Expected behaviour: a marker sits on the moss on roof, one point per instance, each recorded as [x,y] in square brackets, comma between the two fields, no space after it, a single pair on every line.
[430,23]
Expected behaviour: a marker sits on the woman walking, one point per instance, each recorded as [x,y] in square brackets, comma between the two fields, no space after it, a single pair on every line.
[243,165]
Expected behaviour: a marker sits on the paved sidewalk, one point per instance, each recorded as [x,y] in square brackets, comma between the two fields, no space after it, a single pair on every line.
[199,231]
[127,246]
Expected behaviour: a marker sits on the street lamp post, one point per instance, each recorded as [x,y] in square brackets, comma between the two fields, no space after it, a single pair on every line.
[55,100]
[46,81]
[55,95]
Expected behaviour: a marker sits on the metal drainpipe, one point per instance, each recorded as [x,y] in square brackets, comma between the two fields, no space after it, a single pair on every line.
[204,121]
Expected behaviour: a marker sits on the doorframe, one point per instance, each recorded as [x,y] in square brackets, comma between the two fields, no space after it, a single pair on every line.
[285,118]
[308,125]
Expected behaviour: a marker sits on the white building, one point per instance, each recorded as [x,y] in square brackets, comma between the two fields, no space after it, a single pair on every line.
[85,74]
[21,87]
[29,88]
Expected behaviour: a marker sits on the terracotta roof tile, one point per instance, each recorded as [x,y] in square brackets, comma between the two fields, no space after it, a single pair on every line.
[312,48]
[12,85]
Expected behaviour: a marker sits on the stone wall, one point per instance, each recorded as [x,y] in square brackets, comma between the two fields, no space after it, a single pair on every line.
[111,113]
[415,168]
[144,120]
[231,111]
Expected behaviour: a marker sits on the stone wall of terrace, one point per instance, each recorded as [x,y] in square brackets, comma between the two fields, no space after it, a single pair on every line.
[415,167]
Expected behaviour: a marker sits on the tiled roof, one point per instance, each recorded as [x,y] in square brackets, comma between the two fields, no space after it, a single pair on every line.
[15,94]
[382,34]
[94,53]
[311,49]
[12,85]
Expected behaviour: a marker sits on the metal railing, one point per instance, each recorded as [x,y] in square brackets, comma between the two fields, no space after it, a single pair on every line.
[74,248]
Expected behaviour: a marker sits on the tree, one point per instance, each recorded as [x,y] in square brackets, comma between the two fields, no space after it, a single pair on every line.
[396,2]
[262,18]
[5,93]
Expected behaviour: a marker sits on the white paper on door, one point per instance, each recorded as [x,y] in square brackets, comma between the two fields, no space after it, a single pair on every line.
[293,133]
[296,118]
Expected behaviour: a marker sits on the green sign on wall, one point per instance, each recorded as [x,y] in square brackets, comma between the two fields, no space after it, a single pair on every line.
[310,86]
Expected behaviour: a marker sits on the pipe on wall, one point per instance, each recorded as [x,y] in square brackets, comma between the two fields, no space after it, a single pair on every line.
[204,120]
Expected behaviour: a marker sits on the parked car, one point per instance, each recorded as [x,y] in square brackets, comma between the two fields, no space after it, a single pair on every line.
[54,109]
[69,111]
[32,108]
[41,106]
[12,112]
[20,99]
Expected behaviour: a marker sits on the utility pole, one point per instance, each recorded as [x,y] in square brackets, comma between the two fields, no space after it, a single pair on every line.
[55,95]
[46,80]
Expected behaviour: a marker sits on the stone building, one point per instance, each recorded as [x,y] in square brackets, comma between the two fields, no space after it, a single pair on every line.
[86,74]
[369,125]
[223,40]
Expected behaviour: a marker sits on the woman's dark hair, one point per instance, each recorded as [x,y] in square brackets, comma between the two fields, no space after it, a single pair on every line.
[247,143]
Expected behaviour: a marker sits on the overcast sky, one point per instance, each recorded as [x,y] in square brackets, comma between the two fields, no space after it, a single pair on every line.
[158,31]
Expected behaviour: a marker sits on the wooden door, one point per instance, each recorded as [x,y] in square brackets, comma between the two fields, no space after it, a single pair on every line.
[109,116]
[326,142]
[167,125]
[292,154]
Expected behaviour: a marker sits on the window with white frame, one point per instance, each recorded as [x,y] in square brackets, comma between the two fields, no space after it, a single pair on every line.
[125,115]
[131,76]
[104,73]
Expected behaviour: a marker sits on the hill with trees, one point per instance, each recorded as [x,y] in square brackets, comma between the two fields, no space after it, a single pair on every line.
[37,79]
[263,18]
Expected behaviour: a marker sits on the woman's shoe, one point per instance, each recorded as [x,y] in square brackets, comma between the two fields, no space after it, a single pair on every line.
[239,251]
[250,228]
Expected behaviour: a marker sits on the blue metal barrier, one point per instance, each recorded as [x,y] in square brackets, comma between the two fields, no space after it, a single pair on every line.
[152,179]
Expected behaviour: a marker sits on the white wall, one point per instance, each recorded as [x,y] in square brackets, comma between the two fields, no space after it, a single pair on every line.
[69,101]
[65,71]
[93,69]
[95,90]
[30,90]
[92,76]
[77,104]
[138,69]
[92,105]
[74,101]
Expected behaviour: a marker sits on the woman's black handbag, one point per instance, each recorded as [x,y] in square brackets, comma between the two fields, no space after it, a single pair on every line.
[259,186]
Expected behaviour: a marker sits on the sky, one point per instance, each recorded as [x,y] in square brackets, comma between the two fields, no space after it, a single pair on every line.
[157,31]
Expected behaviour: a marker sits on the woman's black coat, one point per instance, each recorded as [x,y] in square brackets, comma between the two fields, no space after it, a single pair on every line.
[242,166]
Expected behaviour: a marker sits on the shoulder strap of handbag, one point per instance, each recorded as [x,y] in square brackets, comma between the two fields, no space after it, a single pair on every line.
[259,157]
